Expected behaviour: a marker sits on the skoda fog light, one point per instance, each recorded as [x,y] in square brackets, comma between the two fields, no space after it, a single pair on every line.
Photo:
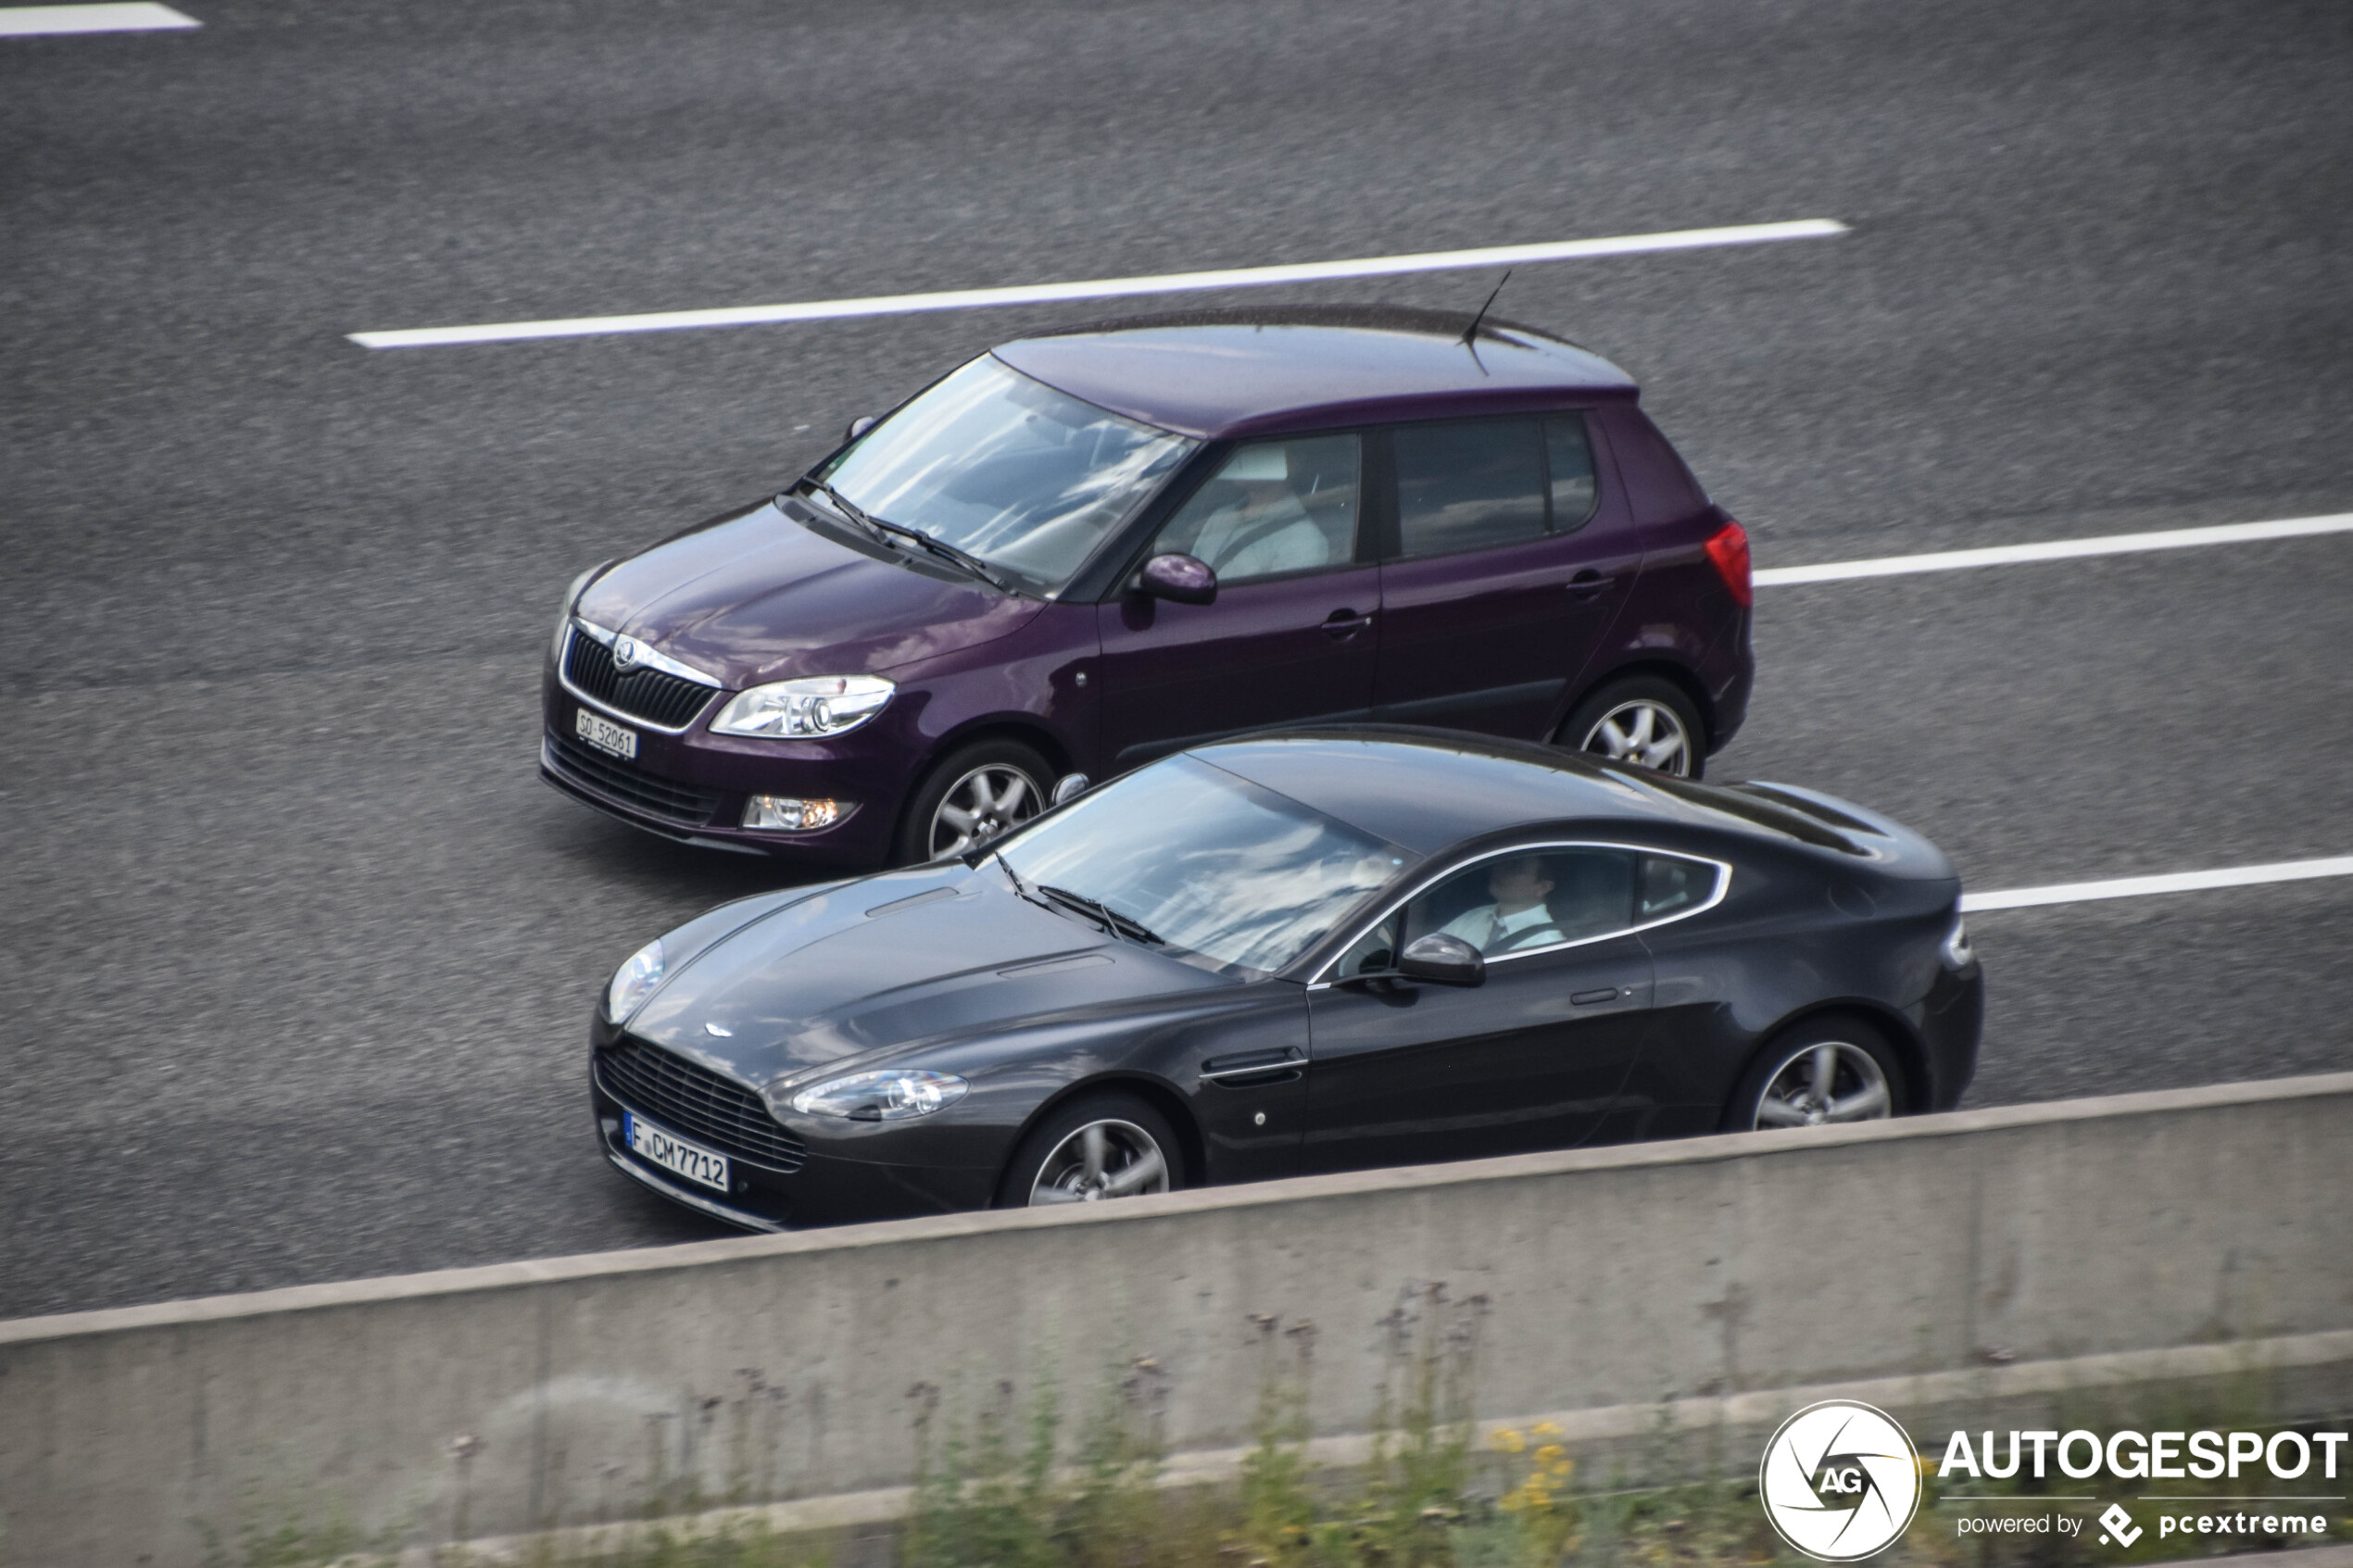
[790,813]
[816,705]
[889,1096]
[634,982]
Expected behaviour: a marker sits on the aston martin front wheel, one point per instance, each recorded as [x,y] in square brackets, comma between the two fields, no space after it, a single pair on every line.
[1096,1147]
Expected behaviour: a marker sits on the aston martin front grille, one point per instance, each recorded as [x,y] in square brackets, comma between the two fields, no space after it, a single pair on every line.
[655,696]
[690,1098]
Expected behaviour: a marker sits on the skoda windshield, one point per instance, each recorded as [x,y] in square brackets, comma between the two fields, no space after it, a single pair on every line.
[1005,470]
[1204,866]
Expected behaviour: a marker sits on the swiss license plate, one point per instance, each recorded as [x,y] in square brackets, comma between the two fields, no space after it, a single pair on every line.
[697,1164]
[605,735]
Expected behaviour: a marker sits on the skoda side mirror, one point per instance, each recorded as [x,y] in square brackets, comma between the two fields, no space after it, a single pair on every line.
[1183,580]
[1440,960]
[858,427]
[1070,786]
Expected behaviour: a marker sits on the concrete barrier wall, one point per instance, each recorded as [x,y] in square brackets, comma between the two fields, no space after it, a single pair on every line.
[528,1396]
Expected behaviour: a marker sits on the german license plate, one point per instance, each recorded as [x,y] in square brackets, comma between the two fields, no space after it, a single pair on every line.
[672,1153]
[605,735]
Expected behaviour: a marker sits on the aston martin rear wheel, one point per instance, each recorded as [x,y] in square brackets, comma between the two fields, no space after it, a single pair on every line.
[1830,1071]
[1097,1147]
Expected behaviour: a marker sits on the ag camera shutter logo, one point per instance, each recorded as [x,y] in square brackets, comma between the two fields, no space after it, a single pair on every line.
[1840,1481]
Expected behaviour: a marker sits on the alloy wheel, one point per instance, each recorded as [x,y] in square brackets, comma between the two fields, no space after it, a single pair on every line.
[1645,731]
[1830,1081]
[984,803]
[1107,1158]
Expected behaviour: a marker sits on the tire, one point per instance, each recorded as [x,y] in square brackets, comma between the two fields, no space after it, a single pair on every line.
[972,783]
[1053,1157]
[1785,1074]
[1629,721]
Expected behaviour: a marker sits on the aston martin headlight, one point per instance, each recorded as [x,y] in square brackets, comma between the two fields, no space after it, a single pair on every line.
[634,982]
[889,1096]
[815,705]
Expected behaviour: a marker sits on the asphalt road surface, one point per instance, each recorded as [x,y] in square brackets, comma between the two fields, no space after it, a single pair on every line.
[299,953]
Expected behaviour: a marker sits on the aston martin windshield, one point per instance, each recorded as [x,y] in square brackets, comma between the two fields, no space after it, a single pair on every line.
[1213,866]
[1003,468]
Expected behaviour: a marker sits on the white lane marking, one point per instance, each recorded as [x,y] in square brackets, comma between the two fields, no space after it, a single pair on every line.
[2055,549]
[2141,886]
[132,16]
[1105,288]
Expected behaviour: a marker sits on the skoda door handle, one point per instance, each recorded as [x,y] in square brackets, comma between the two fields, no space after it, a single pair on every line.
[1342,624]
[1588,584]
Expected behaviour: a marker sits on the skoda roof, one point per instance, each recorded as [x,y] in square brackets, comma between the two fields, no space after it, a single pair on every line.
[1215,374]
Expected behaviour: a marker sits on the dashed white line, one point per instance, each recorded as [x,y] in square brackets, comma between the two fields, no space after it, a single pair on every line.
[132,16]
[2143,886]
[2055,549]
[1105,288]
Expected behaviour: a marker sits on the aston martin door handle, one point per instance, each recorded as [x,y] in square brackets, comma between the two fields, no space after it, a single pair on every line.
[1587,999]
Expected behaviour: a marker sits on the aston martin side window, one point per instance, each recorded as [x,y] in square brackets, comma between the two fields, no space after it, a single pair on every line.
[1274,507]
[1671,885]
[1528,899]
[1373,953]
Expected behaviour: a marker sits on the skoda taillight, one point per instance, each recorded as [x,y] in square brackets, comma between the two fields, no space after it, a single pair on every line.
[1727,548]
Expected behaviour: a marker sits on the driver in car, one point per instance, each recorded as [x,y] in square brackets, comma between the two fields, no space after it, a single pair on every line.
[1517,917]
[1265,529]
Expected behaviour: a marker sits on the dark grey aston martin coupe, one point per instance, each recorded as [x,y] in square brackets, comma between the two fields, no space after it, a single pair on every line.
[1292,952]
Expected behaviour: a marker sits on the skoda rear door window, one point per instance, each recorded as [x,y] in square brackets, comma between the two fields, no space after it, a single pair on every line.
[1469,484]
[1007,470]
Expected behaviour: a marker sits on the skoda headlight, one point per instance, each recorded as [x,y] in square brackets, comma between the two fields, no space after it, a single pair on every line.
[634,982]
[890,1096]
[815,705]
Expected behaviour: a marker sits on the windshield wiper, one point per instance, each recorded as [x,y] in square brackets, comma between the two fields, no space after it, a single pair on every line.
[946,552]
[1110,919]
[850,509]
[883,528]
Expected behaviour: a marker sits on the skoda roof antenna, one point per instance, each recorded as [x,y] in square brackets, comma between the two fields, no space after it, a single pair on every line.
[1470,333]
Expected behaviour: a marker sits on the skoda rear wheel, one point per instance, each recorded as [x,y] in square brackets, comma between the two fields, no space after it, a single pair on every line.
[1098,1147]
[1830,1071]
[1642,719]
[970,799]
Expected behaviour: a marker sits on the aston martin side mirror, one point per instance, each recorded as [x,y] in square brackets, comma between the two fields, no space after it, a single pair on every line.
[858,427]
[1070,786]
[1440,960]
[1184,580]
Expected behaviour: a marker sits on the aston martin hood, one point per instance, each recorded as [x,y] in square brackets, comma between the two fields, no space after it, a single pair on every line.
[760,596]
[927,954]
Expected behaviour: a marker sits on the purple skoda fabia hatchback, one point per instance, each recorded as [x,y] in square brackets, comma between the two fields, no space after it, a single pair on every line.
[1089,549]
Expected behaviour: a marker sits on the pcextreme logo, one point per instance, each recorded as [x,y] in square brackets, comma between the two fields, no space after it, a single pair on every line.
[1840,1480]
